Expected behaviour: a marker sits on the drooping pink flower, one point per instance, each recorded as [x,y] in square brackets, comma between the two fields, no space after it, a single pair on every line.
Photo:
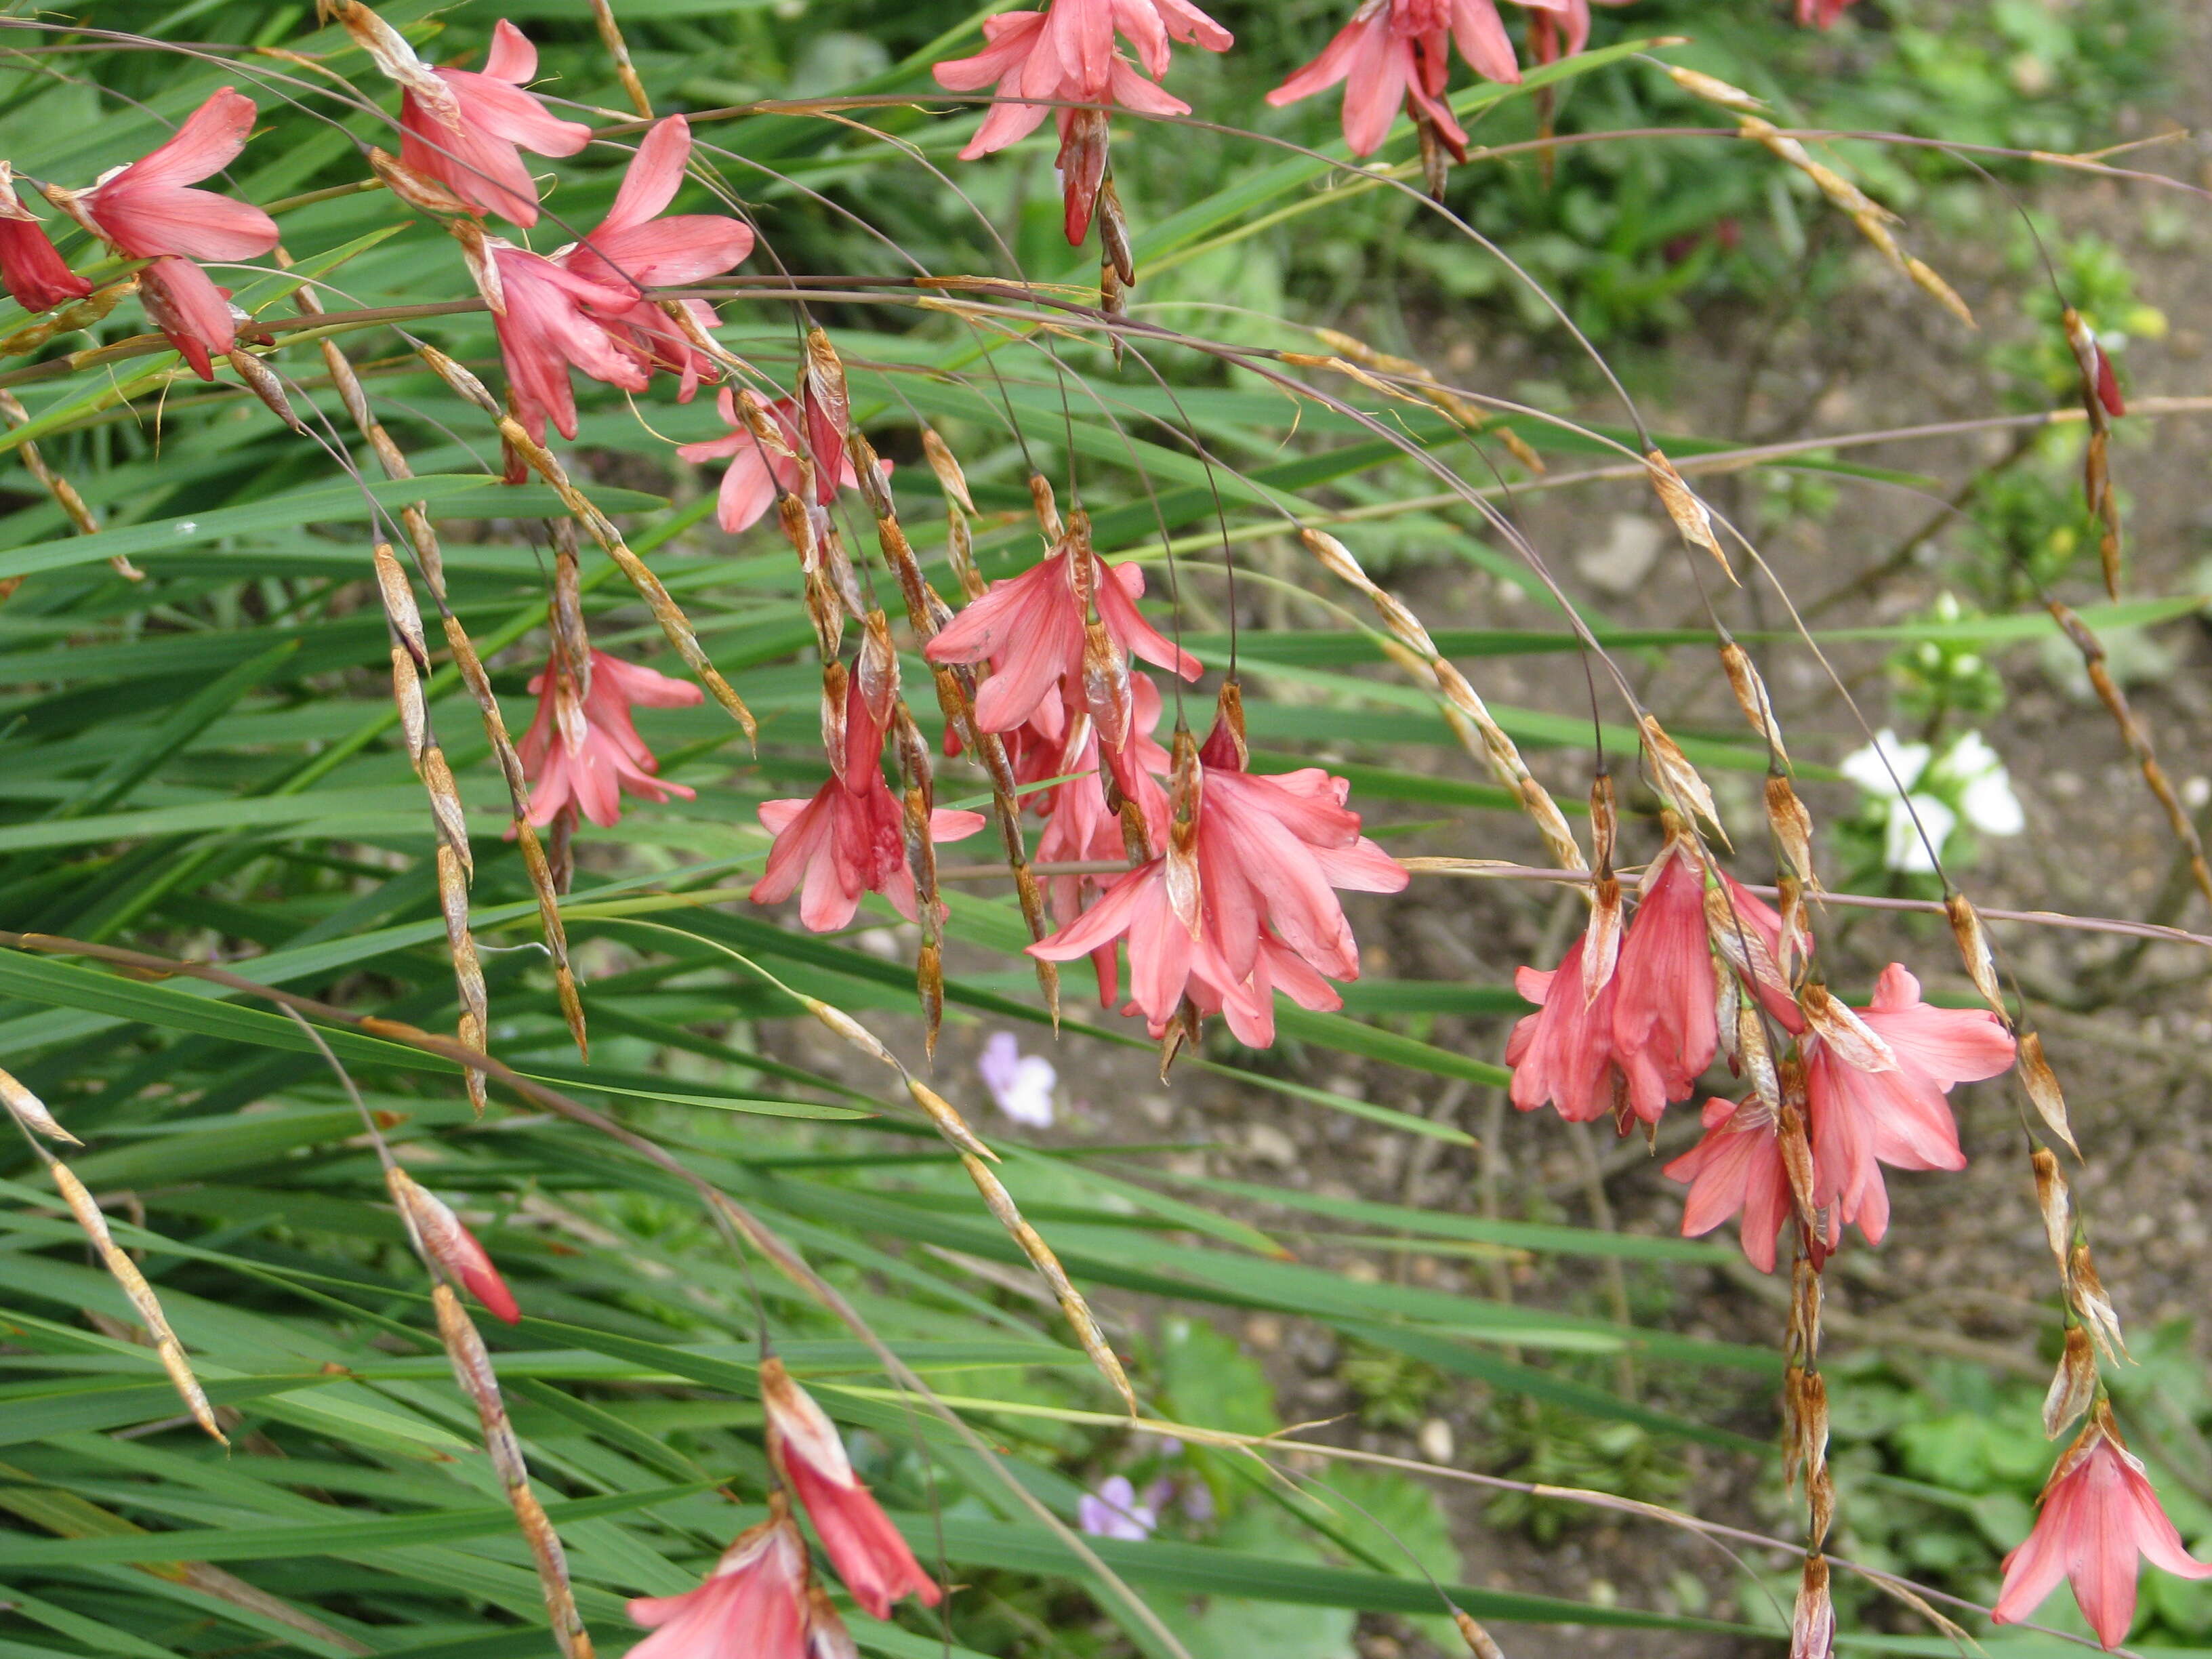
[37,276]
[2100,1519]
[1736,1169]
[1563,1053]
[856,1534]
[850,838]
[1267,854]
[1395,52]
[148,211]
[634,248]
[1663,1024]
[452,1246]
[1078,828]
[753,1603]
[585,749]
[1881,1101]
[749,486]
[467,128]
[1065,53]
[191,312]
[1030,630]
[549,321]
[148,208]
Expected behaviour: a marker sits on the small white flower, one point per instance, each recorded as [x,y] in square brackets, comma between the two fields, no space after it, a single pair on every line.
[1912,828]
[1865,768]
[1985,796]
[1021,1084]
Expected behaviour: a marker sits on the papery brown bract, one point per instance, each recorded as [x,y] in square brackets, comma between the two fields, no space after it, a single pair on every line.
[858,1537]
[2098,1520]
[473,146]
[592,754]
[752,1604]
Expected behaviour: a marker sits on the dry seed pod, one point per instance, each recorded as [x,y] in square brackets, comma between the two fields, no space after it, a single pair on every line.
[1714,90]
[2042,1085]
[2056,1203]
[1691,515]
[261,380]
[2094,1306]
[142,1300]
[1751,696]
[2137,737]
[2073,1385]
[72,505]
[1480,1642]
[474,1023]
[92,309]
[1813,1622]
[1678,779]
[1849,1038]
[942,462]
[1792,828]
[1925,278]
[1974,951]
[1802,1339]
[31,1112]
[1517,448]
[1797,1157]
[1072,1304]
[472,1370]
[1047,510]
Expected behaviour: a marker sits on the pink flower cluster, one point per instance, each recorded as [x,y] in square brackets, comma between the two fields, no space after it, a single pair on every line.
[148,211]
[1874,1079]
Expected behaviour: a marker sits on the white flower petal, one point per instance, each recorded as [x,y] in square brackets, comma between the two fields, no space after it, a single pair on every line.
[1864,766]
[1905,845]
[1990,805]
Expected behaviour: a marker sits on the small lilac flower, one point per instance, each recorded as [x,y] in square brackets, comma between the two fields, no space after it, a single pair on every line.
[1021,1084]
[1113,1512]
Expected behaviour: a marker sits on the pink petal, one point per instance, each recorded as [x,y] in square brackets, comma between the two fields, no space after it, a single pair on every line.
[512,56]
[1374,88]
[1483,41]
[655,173]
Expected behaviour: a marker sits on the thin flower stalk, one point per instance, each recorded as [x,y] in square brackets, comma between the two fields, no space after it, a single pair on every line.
[666,611]
[928,614]
[410,662]
[429,559]
[72,505]
[1463,707]
[472,1370]
[147,1306]
[2136,736]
